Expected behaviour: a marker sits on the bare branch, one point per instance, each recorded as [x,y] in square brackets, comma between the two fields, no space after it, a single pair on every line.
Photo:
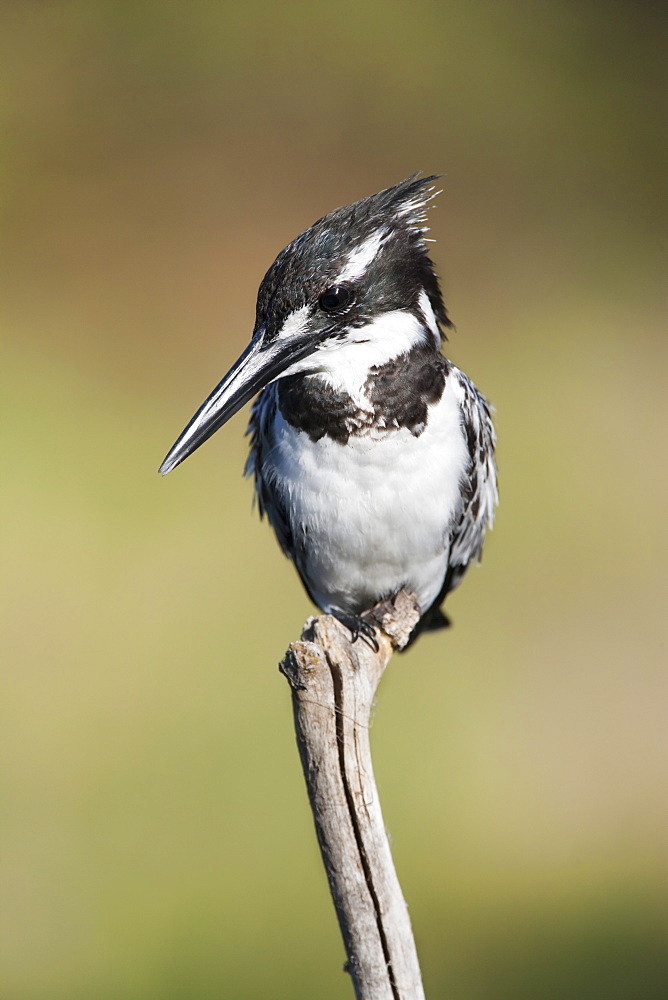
[334,682]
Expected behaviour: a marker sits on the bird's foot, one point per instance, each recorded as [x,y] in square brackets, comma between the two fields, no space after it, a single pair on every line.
[359,628]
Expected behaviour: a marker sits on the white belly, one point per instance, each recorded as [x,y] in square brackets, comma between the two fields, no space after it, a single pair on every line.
[376,513]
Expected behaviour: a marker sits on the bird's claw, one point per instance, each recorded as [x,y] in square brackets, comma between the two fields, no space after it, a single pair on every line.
[359,628]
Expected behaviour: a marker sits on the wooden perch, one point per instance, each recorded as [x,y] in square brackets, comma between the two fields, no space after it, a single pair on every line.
[334,682]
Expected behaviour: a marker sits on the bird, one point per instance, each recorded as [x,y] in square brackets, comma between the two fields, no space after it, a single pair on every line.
[373,455]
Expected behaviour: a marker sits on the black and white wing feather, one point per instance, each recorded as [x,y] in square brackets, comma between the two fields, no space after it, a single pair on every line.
[480,492]
[261,427]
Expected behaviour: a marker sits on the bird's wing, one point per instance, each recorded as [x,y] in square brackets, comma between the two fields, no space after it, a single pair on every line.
[480,486]
[269,498]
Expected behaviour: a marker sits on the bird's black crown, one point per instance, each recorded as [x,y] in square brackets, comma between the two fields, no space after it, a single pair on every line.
[306,271]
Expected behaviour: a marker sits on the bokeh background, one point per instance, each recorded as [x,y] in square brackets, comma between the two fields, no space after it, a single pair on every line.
[157,839]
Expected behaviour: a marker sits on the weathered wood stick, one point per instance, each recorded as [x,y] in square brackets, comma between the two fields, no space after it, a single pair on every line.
[334,683]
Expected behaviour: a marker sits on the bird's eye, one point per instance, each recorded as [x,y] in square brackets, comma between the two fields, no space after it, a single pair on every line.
[334,298]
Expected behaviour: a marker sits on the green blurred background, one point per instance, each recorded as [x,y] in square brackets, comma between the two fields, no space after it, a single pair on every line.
[157,839]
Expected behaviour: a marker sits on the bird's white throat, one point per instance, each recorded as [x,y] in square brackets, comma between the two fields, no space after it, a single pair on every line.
[345,363]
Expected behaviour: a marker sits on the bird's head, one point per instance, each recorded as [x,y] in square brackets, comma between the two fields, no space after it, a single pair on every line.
[356,288]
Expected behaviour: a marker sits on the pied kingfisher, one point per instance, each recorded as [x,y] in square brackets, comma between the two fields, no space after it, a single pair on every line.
[373,455]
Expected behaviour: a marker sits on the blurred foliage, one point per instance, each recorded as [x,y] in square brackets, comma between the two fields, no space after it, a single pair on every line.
[157,840]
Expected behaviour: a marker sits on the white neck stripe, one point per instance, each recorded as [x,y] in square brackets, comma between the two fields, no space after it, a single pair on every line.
[429,316]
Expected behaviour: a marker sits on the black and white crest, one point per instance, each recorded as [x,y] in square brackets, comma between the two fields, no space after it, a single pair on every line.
[379,240]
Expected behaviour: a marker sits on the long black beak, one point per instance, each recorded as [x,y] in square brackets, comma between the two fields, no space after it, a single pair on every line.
[259,365]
